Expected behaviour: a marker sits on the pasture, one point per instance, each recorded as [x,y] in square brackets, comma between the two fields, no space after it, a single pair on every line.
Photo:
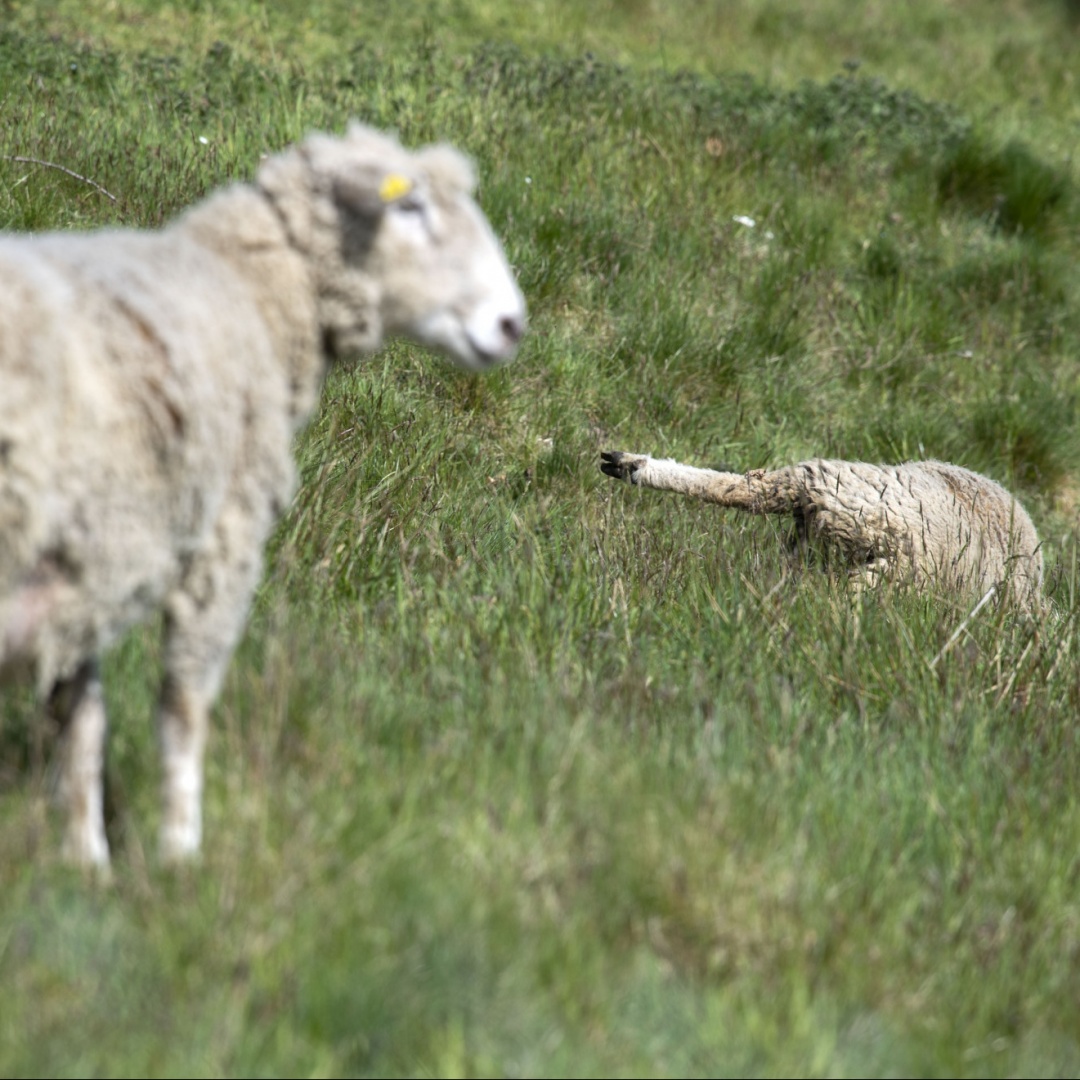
[521,772]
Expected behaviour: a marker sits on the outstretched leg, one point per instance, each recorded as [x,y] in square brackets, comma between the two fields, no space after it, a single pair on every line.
[757,491]
[856,510]
[78,705]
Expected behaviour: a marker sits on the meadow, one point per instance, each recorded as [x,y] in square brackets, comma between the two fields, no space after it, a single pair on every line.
[518,771]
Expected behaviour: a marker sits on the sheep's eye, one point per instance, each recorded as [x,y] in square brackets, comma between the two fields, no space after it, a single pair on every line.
[416,216]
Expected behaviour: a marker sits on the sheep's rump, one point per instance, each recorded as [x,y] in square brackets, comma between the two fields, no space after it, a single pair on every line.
[135,370]
[929,519]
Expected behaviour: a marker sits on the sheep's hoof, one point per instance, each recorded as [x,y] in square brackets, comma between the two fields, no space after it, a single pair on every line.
[618,464]
[180,842]
[88,853]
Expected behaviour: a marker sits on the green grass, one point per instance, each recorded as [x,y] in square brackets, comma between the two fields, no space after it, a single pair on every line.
[520,772]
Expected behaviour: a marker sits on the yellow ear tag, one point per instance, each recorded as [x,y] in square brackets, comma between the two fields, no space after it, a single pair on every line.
[394,187]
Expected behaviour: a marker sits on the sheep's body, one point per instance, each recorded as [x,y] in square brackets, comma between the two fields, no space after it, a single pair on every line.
[923,521]
[151,387]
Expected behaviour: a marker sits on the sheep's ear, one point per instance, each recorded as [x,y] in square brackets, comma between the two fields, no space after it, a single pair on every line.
[370,192]
[285,179]
[447,167]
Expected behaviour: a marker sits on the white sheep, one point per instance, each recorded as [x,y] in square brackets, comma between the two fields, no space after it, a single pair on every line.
[150,387]
[922,522]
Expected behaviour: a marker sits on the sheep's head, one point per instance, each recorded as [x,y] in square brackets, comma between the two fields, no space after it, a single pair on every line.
[397,246]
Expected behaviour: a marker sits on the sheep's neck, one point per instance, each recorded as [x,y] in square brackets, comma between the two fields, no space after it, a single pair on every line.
[243,229]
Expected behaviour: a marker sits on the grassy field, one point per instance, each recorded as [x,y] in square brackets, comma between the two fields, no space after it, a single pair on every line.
[520,772]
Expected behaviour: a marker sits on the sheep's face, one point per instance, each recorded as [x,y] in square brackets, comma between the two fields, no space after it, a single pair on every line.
[445,280]
[399,247]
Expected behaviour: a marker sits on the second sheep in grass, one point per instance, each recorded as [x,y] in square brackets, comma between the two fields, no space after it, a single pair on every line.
[922,522]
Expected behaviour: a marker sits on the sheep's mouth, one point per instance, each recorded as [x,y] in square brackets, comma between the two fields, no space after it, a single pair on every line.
[486,358]
[510,331]
[470,343]
[467,352]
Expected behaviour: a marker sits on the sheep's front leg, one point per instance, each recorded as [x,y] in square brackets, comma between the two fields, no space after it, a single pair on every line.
[197,650]
[204,620]
[78,705]
[183,721]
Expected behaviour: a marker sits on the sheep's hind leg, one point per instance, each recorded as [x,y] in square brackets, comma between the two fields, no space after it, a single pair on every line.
[870,575]
[78,705]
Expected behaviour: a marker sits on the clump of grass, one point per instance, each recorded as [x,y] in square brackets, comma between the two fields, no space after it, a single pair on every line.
[1026,430]
[1009,186]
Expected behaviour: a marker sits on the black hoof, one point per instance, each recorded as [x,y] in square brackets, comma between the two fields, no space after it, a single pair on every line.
[611,464]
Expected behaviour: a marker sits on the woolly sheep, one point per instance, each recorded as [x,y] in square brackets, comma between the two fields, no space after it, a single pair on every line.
[923,521]
[151,386]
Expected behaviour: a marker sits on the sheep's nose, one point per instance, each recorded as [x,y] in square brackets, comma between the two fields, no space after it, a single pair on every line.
[512,327]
